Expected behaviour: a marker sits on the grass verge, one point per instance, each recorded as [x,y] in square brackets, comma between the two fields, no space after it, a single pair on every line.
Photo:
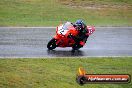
[60,72]
[52,12]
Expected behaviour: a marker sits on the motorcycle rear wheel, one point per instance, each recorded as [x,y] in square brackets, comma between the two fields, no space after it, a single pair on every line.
[51,44]
[76,47]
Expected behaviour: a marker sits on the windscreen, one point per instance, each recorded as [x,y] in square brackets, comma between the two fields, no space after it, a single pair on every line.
[67,25]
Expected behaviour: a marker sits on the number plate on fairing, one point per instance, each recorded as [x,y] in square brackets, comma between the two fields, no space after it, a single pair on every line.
[61,30]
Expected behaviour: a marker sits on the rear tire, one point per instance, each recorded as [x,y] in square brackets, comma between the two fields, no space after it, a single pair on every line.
[51,44]
[76,47]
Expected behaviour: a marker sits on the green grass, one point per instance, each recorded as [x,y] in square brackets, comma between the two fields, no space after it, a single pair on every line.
[59,72]
[52,12]
[106,2]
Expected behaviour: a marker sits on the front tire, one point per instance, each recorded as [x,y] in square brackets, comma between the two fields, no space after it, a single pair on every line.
[51,44]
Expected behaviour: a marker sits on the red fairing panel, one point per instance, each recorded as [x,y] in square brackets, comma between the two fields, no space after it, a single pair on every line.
[91,29]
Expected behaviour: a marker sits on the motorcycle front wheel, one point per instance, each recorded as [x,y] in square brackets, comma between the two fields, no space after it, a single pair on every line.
[51,44]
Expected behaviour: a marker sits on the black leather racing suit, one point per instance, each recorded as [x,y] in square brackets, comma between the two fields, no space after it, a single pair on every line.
[81,36]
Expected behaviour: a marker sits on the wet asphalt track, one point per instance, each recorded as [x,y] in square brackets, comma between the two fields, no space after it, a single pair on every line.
[32,42]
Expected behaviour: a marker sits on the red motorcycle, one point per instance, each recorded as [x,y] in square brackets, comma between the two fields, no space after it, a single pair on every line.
[63,37]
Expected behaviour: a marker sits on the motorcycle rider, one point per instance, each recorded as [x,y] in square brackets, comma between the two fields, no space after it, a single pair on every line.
[82,36]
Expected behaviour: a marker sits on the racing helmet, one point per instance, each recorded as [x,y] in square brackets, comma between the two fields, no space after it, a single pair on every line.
[80,24]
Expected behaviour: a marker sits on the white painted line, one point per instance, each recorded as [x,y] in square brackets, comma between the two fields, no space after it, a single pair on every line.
[55,27]
[61,57]
[27,27]
[113,27]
